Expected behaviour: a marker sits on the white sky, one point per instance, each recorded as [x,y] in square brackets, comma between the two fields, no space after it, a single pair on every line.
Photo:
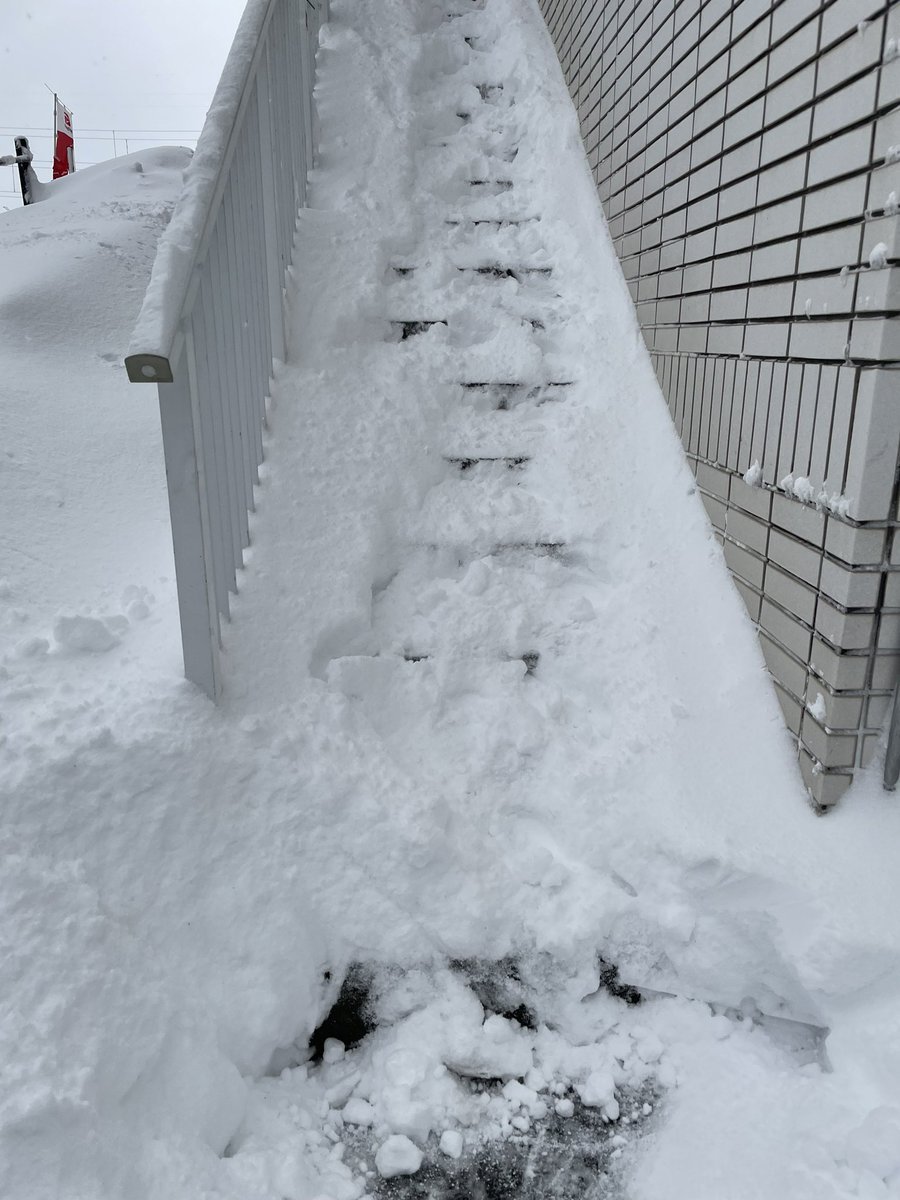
[144,69]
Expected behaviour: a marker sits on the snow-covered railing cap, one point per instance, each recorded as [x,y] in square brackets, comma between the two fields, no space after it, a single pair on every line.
[155,345]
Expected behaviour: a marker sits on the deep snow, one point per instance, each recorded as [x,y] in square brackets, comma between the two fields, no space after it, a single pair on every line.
[470,714]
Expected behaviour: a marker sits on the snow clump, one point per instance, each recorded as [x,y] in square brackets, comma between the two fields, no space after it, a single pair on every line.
[398,1156]
[753,475]
[84,635]
[878,257]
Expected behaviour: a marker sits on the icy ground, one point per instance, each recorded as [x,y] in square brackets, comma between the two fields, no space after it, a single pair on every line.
[494,721]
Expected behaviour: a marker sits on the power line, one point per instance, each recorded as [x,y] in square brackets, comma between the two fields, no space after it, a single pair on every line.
[83,132]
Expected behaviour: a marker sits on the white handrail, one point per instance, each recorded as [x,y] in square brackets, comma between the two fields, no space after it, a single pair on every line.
[212,321]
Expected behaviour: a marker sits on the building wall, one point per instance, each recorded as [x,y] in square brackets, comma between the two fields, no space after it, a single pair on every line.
[745,156]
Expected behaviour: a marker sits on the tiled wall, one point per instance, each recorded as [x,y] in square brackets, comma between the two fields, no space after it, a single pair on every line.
[744,153]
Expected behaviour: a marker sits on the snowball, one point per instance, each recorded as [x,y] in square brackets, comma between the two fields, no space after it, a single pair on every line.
[85,634]
[359,1112]
[565,1108]
[333,1050]
[451,1143]
[398,1156]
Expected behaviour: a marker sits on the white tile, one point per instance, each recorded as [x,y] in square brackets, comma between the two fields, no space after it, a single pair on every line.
[774,261]
[796,557]
[792,94]
[787,137]
[748,566]
[844,201]
[801,520]
[854,545]
[831,750]
[852,56]
[735,268]
[875,340]
[849,588]
[785,629]
[778,221]
[769,340]
[734,235]
[845,630]
[782,180]
[874,446]
[784,667]
[887,133]
[842,671]
[800,46]
[771,300]
[826,296]
[845,15]
[831,250]
[851,104]
[848,152]
[820,340]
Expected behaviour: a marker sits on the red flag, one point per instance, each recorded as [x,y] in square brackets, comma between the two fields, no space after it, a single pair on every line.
[64,145]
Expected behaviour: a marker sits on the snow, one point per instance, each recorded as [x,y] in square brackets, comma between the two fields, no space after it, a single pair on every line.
[436,746]
[398,1156]
[753,476]
[452,1143]
[154,331]
[878,259]
[804,490]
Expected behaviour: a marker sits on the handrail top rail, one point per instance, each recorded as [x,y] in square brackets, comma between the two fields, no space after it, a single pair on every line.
[155,346]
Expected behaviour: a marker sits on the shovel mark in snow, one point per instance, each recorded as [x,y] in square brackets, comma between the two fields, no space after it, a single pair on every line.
[498,185]
[511,462]
[574,1153]
[408,329]
[349,1019]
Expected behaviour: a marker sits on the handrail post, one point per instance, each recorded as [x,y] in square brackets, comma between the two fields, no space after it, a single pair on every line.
[274,277]
[183,446]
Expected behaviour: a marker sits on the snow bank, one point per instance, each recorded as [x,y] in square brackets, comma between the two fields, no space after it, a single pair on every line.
[82,482]
[155,327]
[393,776]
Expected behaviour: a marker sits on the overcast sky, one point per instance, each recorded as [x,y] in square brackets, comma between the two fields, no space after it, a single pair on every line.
[144,69]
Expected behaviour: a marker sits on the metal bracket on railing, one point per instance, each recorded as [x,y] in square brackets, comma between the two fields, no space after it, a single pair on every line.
[148,368]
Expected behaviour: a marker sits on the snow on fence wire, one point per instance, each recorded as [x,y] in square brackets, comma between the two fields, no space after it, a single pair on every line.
[212,321]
